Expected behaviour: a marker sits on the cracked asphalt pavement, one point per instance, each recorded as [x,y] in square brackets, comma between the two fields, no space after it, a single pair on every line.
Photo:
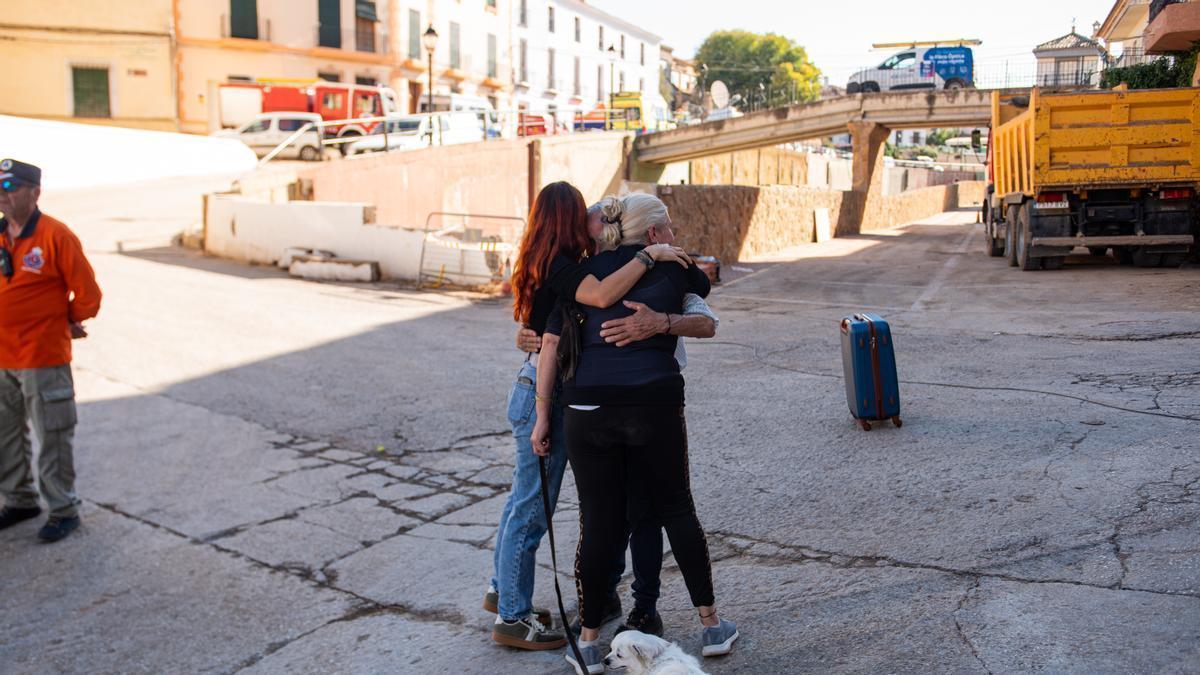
[282,476]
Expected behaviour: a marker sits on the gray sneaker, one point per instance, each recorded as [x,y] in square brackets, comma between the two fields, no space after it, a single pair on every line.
[718,640]
[526,634]
[592,660]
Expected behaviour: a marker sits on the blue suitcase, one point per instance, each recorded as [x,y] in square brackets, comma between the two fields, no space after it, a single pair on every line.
[869,363]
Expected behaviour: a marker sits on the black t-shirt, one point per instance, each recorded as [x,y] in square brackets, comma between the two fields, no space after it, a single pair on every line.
[641,373]
[562,280]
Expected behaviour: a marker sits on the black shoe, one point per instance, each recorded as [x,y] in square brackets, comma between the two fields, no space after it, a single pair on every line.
[612,612]
[645,621]
[57,529]
[11,516]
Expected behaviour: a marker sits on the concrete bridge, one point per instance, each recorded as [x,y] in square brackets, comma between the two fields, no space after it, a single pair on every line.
[902,110]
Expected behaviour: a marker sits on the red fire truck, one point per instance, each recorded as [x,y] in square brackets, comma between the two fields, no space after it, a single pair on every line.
[239,102]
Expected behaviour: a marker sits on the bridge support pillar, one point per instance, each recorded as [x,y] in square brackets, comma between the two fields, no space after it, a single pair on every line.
[866,185]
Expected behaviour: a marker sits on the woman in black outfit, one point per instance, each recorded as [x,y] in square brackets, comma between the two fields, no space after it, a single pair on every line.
[626,436]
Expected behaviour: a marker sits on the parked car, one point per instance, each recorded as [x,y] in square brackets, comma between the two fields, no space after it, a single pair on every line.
[410,132]
[918,68]
[238,102]
[464,103]
[266,131]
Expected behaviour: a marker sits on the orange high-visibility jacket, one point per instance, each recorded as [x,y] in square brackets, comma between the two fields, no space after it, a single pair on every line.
[52,286]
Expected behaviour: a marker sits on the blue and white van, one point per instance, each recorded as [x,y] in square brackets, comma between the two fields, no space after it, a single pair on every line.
[918,68]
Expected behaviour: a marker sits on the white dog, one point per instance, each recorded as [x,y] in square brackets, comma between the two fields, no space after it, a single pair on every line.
[641,654]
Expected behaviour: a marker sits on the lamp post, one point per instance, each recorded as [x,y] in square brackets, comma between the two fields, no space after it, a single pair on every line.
[612,62]
[429,41]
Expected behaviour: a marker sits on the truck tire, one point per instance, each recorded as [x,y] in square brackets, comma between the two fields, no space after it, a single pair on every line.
[1024,243]
[870,87]
[1174,259]
[1010,235]
[853,88]
[954,83]
[310,154]
[1143,259]
[1098,251]
[994,247]
[345,147]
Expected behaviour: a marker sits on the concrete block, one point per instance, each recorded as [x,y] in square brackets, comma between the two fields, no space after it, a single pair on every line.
[333,269]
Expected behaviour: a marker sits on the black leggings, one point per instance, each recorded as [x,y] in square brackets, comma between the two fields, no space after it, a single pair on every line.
[631,468]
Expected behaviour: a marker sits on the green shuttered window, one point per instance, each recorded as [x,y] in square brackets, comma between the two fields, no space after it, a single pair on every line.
[90,86]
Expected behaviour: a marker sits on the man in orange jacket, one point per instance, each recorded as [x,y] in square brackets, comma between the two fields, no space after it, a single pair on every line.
[47,290]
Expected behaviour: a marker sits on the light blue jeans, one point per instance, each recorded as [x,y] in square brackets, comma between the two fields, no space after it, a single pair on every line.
[523,521]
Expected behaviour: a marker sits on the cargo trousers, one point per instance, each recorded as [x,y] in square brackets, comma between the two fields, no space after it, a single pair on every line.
[41,399]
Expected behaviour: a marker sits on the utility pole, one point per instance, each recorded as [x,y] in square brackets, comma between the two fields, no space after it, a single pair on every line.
[612,62]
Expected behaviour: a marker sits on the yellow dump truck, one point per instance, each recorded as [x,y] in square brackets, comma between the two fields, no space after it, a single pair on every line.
[1105,170]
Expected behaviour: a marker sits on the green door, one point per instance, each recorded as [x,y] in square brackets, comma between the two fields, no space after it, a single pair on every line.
[91,92]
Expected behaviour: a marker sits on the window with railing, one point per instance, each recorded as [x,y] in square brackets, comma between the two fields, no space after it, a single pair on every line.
[600,36]
[491,53]
[621,82]
[622,46]
[550,69]
[643,46]
[599,83]
[551,19]
[365,19]
[243,19]
[577,89]
[455,52]
[578,30]
[414,34]
[523,13]
[329,16]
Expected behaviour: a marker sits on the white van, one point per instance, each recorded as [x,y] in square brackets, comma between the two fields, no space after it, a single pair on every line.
[410,132]
[950,67]
[268,130]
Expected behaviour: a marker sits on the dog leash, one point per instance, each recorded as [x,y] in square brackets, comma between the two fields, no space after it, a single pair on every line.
[562,610]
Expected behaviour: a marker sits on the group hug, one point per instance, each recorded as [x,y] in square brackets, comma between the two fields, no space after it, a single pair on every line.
[602,296]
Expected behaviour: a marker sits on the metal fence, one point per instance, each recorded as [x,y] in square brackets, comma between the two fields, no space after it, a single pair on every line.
[468,249]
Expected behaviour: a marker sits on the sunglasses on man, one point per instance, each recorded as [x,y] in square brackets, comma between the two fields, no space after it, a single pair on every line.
[10,185]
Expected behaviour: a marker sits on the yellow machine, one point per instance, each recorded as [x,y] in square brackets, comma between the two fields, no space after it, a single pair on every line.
[632,113]
[1105,169]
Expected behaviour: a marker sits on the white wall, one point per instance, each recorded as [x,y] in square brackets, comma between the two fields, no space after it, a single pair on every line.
[84,155]
[259,232]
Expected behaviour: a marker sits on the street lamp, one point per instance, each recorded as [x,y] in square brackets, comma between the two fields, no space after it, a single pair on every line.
[612,62]
[429,41]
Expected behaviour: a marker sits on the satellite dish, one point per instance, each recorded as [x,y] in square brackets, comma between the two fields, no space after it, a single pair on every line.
[719,93]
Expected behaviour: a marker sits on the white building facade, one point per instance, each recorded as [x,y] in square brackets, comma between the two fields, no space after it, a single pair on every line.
[568,56]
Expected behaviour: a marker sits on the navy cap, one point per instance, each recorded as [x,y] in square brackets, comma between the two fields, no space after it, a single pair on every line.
[20,171]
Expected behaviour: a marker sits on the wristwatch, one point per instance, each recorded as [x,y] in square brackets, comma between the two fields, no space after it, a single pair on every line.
[646,259]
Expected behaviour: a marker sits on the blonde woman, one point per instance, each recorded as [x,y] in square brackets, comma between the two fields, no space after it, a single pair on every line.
[625,432]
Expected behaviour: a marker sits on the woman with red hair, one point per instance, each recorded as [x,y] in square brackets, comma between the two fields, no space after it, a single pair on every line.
[548,268]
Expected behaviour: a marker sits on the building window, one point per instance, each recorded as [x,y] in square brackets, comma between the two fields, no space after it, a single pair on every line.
[622,46]
[621,82]
[641,84]
[414,34]
[364,35]
[578,30]
[90,88]
[550,69]
[524,61]
[600,33]
[330,77]
[599,83]
[523,14]
[455,55]
[577,89]
[367,80]
[491,4]
[243,19]
[329,18]
[643,46]
[491,56]
[551,15]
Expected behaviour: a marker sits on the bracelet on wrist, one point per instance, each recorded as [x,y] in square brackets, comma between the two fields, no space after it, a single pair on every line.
[539,397]
[668,324]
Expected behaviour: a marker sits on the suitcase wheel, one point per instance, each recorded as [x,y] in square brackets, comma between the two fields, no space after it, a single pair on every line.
[866,426]
[897,422]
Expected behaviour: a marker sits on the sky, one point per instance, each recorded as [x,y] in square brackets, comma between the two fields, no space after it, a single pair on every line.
[838,35]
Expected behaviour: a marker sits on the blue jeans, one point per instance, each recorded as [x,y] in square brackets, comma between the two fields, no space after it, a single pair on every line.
[523,521]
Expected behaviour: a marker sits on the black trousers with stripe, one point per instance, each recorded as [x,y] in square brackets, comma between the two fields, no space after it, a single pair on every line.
[631,469]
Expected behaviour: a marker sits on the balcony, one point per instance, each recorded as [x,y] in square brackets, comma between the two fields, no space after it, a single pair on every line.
[1174,29]
[352,40]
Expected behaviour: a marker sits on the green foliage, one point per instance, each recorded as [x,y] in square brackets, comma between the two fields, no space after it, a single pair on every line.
[889,150]
[927,151]
[745,60]
[1161,73]
[938,137]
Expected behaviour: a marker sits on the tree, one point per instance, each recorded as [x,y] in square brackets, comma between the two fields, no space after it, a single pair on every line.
[938,137]
[761,68]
